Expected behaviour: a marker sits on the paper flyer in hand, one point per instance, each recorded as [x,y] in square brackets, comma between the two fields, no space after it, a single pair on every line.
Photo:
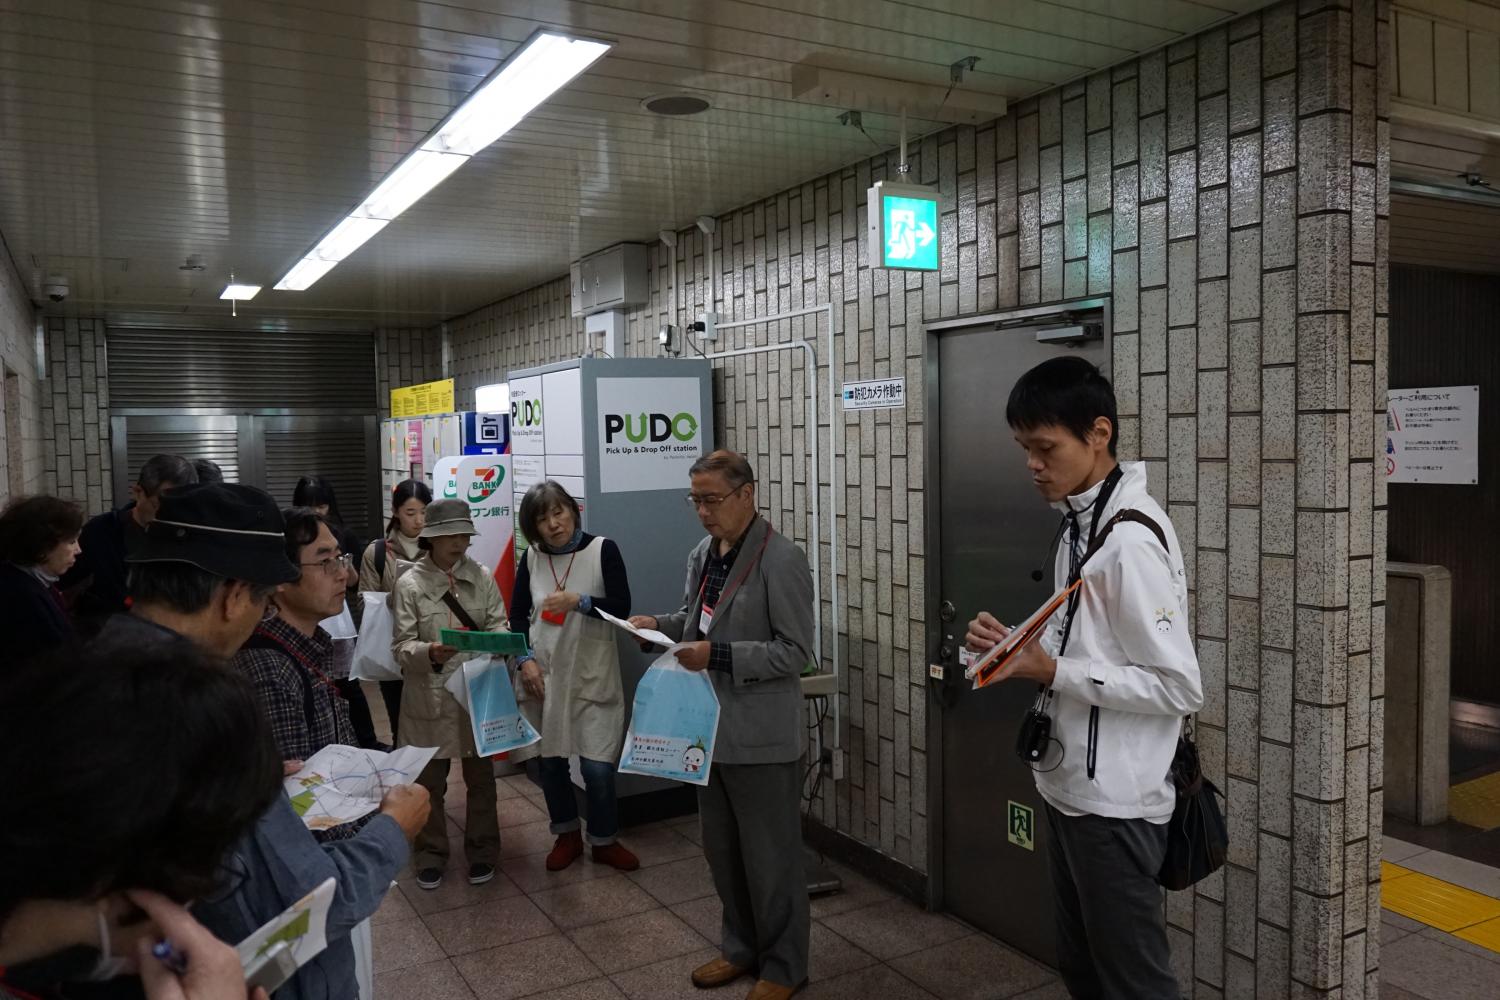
[483,687]
[673,723]
[644,634]
[993,665]
[302,927]
[340,784]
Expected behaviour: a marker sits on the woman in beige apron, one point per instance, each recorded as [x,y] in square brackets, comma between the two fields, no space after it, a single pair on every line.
[568,685]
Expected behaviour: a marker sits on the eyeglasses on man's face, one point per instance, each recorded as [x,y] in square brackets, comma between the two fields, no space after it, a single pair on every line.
[334,565]
[711,500]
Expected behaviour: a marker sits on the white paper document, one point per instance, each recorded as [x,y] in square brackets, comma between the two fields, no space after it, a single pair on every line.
[646,634]
[340,784]
[303,927]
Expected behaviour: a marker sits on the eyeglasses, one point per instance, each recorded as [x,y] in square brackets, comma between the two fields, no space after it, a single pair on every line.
[334,565]
[695,501]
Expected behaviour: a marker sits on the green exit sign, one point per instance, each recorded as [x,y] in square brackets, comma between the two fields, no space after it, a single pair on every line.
[904,226]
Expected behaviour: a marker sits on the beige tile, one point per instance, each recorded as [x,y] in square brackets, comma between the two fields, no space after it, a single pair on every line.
[456,890]
[528,838]
[877,981]
[659,844]
[830,956]
[594,901]
[432,981]
[690,827]
[677,881]
[394,907]
[531,874]
[1395,851]
[973,968]
[525,968]
[489,925]
[857,892]
[400,944]
[594,989]
[1054,990]
[706,916]
[520,811]
[636,940]
[1453,941]
[669,980]
[892,929]
[1433,969]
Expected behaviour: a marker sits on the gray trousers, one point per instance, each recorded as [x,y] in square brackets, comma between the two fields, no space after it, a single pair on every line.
[752,836]
[1111,929]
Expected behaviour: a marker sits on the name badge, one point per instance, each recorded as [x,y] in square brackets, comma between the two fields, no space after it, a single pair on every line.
[705,620]
[555,617]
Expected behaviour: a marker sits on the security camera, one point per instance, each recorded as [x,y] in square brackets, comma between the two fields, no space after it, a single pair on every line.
[56,287]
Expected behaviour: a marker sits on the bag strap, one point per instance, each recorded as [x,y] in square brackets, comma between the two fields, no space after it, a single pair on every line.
[380,555]
[1128,514]
[458,611]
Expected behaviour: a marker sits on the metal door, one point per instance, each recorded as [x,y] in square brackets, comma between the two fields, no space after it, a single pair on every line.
[993,533]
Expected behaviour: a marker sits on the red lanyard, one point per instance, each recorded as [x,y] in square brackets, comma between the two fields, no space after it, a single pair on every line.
[295,654]
[560,584]
[725,594]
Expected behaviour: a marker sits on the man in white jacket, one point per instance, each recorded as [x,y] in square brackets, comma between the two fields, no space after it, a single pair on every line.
[1116,672]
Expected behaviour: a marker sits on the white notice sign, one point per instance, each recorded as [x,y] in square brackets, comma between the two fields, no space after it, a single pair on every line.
[1432,435]
[880,394]
[650,433]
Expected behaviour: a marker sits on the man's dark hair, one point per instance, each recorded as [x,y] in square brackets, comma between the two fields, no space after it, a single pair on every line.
[208,471]
[1063,392]
[539,500]
[735,467]
[404,491]
[301,529]
[157,760]
[166,470]
[181,586]
[32,527]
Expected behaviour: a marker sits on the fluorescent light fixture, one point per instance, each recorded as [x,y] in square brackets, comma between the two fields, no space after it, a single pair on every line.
[239,293]
[413,177]
[537,70]
[304,273]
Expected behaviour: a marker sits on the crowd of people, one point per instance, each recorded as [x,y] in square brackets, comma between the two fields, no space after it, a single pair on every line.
[174,668]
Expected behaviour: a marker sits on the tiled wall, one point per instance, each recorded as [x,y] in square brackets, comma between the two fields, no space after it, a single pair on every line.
[21,458]
[1230,193]
[75,413]
[405,356]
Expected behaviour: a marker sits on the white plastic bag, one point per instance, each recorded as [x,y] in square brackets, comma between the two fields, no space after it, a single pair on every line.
[673,724]
[341,625]
[373,660]
[482,686]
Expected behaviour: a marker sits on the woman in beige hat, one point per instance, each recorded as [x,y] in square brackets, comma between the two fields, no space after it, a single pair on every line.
[446,589]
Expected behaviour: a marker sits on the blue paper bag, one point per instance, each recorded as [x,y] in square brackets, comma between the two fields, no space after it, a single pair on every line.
[483,687]
[673,724]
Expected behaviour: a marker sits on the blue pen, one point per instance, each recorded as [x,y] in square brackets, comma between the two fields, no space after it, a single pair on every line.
[174,960]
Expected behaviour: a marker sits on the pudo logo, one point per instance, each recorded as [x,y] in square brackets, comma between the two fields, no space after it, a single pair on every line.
[655,426]
[526,413]
[484,483]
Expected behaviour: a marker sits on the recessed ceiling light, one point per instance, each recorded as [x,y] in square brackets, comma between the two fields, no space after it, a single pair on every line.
[675,105]
[239,293]
[543,65]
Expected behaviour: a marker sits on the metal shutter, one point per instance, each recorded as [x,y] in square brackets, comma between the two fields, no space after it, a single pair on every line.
[213,438]
[340,449]
[240,371]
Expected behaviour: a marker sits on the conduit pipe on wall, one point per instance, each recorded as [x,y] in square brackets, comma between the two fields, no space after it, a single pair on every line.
[833,484]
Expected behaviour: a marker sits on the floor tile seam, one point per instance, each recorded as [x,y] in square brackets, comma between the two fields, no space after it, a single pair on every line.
[1455,858]
[1450,930]
[490,947]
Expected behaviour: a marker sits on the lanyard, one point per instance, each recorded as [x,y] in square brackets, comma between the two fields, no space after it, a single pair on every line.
[296,654]
[728,591]
[560,584]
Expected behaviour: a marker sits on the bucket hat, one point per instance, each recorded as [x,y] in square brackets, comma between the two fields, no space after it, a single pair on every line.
[227,529]
[448,517]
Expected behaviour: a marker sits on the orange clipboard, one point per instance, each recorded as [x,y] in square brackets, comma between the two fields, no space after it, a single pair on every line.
[991,666]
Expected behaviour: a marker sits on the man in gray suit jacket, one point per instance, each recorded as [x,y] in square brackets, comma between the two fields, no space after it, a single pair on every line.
[747,616]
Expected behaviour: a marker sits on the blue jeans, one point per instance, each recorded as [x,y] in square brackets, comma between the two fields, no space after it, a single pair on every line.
[553,776]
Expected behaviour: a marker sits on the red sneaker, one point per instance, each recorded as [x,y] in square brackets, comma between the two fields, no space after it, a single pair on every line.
[616,856]
[568,849]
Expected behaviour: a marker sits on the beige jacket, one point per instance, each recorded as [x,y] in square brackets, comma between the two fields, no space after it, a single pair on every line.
[430,716]
[397,563]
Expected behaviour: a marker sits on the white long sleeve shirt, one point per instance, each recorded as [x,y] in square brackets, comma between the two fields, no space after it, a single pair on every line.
[1130,655]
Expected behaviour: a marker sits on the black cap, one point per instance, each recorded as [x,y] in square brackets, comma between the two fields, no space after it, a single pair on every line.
[227,529]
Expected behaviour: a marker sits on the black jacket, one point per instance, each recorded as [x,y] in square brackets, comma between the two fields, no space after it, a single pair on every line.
[34,615]
[100,569]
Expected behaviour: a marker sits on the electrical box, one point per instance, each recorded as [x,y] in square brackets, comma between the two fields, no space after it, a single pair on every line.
[610,279]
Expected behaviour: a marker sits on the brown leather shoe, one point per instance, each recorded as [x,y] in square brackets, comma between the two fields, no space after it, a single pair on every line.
[568,849]
[719,972]
[767,990]
[617,856]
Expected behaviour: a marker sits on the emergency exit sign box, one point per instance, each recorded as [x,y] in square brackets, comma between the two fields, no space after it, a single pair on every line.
[903,227]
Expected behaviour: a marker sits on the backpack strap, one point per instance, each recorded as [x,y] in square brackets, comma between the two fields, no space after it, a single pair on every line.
[381,545]
[1127,514]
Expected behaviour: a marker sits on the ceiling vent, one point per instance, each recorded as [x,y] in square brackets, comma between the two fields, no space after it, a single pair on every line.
[675,105]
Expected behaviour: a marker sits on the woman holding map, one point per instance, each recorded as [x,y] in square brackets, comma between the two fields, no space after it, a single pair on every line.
[446,590]
[568,684]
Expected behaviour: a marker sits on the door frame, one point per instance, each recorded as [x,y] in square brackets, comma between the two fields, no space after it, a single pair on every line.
[1096,309]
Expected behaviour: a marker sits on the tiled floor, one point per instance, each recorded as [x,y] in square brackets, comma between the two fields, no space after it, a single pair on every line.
[590,933]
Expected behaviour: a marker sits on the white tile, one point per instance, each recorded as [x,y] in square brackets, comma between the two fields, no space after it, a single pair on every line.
[1396,850]
[1460,871]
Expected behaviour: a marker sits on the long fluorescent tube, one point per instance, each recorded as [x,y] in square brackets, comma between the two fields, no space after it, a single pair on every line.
[239,293]
[537,70]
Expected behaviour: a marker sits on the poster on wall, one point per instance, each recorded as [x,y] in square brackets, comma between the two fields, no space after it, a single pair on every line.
[526,435]
[650,432]
[1432,435]
[483,482]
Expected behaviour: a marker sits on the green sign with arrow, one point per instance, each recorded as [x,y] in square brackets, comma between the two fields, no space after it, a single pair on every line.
[904,227]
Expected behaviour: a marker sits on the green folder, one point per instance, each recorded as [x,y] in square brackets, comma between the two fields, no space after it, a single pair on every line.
[499,643]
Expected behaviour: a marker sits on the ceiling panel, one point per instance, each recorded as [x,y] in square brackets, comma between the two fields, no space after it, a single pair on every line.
[133,135]
[1435,232]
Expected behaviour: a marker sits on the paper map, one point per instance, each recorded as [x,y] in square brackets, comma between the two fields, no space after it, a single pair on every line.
[340,784]
[303,926]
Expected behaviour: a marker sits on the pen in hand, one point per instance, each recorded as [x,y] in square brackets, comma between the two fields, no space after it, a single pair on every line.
[174,960]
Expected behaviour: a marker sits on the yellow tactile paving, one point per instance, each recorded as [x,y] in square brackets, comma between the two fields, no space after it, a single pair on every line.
[1477,802]
[1389,871]
[1486,935]
[1436,903]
